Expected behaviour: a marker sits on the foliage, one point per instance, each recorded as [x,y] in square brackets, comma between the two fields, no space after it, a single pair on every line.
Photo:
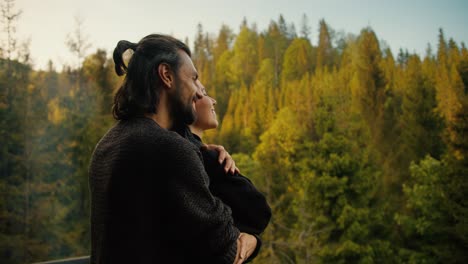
[362,157]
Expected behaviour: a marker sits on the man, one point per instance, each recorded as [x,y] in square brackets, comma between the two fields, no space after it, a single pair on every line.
[150,201]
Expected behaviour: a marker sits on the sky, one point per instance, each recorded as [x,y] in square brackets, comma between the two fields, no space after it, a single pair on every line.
[409,24]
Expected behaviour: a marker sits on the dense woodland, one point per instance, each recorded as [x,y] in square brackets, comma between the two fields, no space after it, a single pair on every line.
[361,153]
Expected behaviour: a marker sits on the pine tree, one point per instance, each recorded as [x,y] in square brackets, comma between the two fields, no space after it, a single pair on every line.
[296,61]
[220,89]
[442,53]
[203,58]
[421,127]
[10,17]
[305,28]
[275,156]
[368,82]
[275,45]
[463,66]
[245,59]
[262,100]
[324,48]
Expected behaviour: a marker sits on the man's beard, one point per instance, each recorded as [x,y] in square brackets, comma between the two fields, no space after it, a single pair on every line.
[182,113]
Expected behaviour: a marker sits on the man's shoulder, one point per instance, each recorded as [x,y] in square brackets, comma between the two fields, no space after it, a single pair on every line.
[141,133]
[142,129]
[143,136]
[146,132]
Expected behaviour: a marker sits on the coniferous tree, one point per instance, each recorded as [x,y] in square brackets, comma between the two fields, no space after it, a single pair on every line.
[222,81]
[296,60]
[305,28]
[245,59]
[325,52]
[362,155]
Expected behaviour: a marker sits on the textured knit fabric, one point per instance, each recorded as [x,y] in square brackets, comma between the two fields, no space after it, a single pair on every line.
[150,201]
[250,210]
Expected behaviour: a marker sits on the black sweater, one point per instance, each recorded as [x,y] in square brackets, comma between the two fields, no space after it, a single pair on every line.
[250,210]
[150,201]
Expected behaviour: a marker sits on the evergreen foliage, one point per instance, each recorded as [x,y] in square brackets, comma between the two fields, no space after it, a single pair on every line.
[363,157]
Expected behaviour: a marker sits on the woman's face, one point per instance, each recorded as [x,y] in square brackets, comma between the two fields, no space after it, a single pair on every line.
[206,115]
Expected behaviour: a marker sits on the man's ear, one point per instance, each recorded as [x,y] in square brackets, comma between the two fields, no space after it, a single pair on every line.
[166,74]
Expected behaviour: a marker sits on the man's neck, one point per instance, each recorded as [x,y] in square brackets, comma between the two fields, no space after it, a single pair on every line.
[162,116]
[163,121]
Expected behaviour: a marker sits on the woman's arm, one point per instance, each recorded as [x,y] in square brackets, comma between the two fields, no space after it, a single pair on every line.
[250,209]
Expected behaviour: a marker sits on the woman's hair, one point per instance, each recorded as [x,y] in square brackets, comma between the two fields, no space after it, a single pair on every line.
[141,88]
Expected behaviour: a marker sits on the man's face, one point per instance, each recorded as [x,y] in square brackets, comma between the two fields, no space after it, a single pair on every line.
[186,92]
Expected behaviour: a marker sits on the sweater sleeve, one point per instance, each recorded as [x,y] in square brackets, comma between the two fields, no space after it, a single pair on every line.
[200,223]
[250,209]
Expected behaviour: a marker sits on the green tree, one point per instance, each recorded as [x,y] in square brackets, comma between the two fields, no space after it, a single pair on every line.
[421,127]
[325,50]
[203,58]
[433,228]
[305,28]
[368,83]
[297,59]
[98,70]
[223,82]
[15,166]
[9,18]
[245,59]
[263,99]
[275,45]
[276,158]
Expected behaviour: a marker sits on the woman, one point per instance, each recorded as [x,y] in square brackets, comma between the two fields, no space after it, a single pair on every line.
[250,211]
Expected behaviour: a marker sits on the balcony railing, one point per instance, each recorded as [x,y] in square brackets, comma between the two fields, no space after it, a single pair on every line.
[78,260]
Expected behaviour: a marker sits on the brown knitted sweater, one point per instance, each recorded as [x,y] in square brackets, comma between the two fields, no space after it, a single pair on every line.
[150,201]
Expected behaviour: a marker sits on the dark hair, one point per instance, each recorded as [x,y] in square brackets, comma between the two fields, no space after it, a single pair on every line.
[141,88]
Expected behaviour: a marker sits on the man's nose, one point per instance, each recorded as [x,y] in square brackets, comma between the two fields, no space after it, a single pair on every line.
[213,100]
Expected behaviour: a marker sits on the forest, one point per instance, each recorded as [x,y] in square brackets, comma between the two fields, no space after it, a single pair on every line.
[361,153]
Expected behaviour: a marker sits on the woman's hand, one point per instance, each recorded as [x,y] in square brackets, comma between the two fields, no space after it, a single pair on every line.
[223,156]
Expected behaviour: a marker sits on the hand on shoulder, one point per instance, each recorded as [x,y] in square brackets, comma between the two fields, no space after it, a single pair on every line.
[223,157]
